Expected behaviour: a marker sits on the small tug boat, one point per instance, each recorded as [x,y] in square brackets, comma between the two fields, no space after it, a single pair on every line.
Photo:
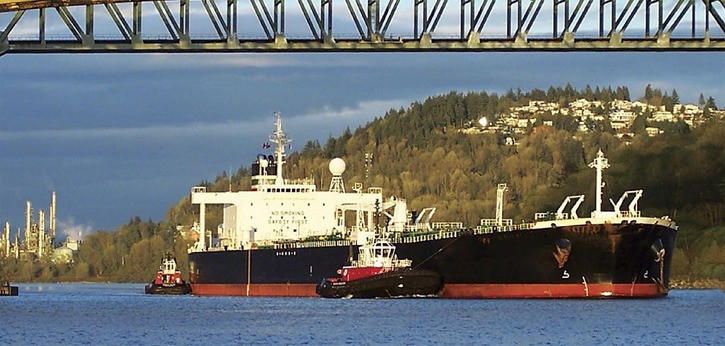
[168,279]
[378,273]
[7,290]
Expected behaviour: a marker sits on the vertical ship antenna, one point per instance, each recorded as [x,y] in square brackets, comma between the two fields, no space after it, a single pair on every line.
[499,203]
[600,163]
[368,163]
[279,138]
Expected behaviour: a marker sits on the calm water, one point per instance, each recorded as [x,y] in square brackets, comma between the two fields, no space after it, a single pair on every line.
[113,314]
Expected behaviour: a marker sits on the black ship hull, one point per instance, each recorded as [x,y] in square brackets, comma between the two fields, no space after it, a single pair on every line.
[400,283]
[626,258]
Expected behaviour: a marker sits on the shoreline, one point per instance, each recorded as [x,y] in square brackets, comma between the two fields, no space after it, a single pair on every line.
[699,284]
[675,284]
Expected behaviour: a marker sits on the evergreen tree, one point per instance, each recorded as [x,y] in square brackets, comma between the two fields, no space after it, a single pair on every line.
[710,104]
[588,93]
[668,102]
[648,93]
[622,93]
[707,114]
[639,124]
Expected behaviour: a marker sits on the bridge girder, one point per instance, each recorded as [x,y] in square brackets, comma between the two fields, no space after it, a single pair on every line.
[609,26]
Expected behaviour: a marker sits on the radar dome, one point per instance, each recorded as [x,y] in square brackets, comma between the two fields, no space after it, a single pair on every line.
[264,163]
[337,166]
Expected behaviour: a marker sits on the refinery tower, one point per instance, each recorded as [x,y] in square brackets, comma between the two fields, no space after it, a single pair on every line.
[36,241]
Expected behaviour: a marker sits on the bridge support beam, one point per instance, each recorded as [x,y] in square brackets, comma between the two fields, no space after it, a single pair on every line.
[668,26]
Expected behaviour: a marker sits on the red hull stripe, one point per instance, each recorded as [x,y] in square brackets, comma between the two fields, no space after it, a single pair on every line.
[453,290]
[257,290]
[551,291]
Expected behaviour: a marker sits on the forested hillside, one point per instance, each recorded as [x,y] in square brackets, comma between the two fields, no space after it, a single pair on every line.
[424,154]
[420,154]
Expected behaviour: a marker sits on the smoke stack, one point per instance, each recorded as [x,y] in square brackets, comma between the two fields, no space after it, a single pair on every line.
[6,238]
[52,217]
[28,220]
[17,244]
[41,232]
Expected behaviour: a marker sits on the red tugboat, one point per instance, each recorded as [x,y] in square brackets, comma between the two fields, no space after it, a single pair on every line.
[168,279]
[378,273]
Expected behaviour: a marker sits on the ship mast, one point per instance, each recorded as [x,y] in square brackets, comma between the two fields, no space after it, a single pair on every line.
[279,138]
[600,163]
[499,203]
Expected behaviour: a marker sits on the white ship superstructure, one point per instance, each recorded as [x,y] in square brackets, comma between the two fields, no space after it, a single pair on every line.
[278,210]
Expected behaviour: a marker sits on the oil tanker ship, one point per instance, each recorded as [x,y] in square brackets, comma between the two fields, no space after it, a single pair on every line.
[283,237]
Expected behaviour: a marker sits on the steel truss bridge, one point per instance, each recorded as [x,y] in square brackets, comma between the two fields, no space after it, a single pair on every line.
[109,26]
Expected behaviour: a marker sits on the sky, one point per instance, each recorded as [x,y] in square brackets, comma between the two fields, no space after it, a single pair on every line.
[124,135]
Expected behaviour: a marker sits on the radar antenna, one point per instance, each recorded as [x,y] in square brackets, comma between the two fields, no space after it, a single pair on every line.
[279,138]
[600,163]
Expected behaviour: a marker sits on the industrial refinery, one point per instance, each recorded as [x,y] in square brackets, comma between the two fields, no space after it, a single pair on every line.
[37,240]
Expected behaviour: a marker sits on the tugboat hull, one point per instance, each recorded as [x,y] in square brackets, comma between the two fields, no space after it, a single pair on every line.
[7,290]
[160,289]
[168,279]
[399,283]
